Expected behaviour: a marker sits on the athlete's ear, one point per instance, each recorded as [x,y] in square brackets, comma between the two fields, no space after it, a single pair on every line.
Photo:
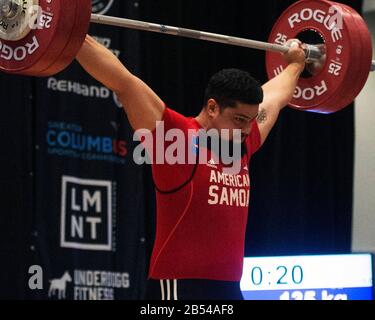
[213,108]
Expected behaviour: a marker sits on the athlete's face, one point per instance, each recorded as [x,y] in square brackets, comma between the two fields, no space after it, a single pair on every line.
[239,118]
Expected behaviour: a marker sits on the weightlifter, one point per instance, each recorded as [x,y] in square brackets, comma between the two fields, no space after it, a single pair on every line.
[201,216]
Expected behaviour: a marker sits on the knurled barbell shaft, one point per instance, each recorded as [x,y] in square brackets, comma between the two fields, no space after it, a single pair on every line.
[187,33]
[313,53]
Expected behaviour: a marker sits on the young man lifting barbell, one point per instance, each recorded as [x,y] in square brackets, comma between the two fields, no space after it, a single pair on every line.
[202,211]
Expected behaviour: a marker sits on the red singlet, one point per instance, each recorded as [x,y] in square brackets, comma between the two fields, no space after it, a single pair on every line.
[200,229]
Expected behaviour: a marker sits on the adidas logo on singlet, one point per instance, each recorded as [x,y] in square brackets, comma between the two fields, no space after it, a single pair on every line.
[212,164]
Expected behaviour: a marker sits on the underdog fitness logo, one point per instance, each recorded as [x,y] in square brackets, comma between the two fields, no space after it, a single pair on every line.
[80,284]
[101,6]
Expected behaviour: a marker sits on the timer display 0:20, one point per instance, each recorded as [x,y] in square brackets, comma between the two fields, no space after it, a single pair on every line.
[283,275]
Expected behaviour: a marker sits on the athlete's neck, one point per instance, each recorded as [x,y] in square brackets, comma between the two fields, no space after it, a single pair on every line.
[203,120]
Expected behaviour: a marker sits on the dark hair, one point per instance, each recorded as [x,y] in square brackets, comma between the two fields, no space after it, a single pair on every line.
[229,86]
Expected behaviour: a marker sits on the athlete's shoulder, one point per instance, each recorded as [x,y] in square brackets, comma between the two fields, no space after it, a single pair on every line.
[174,119]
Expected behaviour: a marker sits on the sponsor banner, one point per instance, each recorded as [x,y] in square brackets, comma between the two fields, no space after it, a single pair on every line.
[90,200]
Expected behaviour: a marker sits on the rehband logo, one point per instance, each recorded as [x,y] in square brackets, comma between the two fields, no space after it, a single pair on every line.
[101,6]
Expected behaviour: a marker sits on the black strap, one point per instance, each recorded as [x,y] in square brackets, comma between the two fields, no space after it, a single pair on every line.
[185,183]
[192,175]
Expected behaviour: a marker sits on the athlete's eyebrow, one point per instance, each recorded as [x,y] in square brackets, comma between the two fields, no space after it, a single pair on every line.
[247,117]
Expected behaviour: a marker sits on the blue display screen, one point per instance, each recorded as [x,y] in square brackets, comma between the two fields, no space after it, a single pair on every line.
[317,277]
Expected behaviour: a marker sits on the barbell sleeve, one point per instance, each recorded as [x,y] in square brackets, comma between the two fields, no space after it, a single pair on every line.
[9,8]
[312,52]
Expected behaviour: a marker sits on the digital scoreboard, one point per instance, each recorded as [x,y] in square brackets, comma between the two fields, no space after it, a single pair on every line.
[312,277]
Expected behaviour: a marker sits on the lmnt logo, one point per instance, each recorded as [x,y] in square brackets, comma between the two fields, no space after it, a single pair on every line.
[86,214]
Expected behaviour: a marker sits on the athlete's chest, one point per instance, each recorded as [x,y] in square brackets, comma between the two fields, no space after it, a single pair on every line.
[223,185]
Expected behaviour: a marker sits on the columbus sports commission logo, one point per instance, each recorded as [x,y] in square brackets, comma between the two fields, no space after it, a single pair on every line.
[86,214]
[72,140]
[101,6]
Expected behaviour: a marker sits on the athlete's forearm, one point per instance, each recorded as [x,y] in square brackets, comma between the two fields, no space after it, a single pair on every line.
[278,92]
[103,65]
[282,87]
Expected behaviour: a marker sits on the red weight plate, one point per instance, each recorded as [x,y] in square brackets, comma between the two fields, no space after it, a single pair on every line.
[346,93]
[364,60]
[42,45]
[56,47]
[75,41]
[314,92]
[339,101]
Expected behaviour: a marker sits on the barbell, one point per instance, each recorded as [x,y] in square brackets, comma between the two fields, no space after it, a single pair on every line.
[42,37]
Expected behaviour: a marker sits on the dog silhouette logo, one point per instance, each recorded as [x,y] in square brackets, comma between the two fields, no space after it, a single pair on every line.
[59,286]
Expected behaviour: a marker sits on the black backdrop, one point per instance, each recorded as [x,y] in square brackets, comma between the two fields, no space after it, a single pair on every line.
[302,178]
